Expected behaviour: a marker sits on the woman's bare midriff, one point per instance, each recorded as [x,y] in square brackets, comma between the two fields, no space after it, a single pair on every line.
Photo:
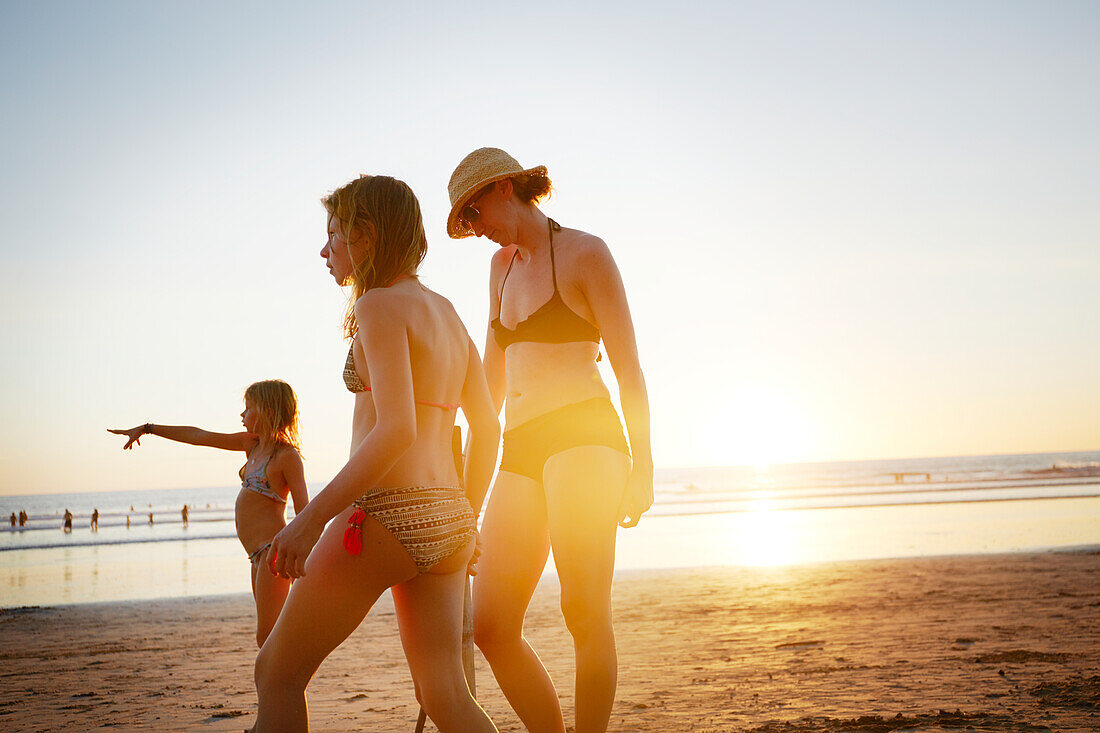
[258,519]
[544,377]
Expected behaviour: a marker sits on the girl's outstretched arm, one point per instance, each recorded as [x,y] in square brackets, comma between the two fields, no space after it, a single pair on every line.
[190,435]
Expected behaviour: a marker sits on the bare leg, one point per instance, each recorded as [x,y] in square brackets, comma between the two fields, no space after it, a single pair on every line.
[270,594]
[429,614]
[323,608]
[515,545]
[584,486]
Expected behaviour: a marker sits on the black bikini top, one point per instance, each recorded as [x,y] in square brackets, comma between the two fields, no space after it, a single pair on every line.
[553,323]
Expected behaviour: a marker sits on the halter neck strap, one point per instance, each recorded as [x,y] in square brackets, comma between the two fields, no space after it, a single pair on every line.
[552,226]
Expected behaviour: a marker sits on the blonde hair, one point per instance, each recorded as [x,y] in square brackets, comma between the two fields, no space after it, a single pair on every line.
[278,408]
[398,244]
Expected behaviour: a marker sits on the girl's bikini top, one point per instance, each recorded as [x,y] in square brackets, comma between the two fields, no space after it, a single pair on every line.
[257,481]
[553,323]
[354,384]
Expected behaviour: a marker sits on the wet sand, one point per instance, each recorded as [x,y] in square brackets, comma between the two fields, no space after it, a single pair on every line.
[988,643]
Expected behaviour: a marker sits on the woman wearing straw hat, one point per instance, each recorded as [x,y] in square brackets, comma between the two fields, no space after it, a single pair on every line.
[566,476]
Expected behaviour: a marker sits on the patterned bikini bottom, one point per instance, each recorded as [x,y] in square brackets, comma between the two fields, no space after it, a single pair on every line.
[431,523]
[255,556]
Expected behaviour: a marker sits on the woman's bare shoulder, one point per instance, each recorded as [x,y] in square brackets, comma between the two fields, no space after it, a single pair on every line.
[586,249]
[500,260]
[380,306]
[454,323]
[443,305]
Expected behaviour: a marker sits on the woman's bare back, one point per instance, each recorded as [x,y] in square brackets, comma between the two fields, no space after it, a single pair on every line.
[439,356]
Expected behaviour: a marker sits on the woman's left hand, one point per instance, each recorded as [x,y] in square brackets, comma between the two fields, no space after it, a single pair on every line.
[638,497]
[291,547]
[471,566]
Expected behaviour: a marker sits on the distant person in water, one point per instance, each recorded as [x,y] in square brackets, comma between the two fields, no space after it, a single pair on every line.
[127,521]
[13,520]
[23,518]
[95,520]
[272,472]
[185,515]
[67,522]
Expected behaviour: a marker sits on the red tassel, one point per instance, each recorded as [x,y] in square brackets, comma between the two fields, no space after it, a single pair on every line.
[353,540]
[353,535]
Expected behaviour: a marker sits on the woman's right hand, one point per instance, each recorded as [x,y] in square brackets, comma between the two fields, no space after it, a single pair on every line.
[638,497]
[292,545]
[134,435]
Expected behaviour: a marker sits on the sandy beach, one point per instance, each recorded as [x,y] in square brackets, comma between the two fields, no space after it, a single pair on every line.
[992,642]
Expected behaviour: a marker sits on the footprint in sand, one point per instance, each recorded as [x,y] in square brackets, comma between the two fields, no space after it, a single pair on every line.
[799,644]
[1023,656]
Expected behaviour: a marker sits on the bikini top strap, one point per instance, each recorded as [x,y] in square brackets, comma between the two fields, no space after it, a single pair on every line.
[263,469]
[506,274]
[553,226]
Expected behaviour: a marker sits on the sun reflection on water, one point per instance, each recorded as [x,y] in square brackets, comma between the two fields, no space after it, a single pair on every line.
[764,535]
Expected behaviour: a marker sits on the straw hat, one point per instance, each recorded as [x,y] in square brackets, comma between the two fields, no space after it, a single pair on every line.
[478,169]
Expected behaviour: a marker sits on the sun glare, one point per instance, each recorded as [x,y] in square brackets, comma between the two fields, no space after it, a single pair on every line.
[763,536]
[757,427]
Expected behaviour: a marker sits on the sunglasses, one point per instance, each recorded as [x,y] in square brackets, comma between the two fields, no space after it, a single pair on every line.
[470,213]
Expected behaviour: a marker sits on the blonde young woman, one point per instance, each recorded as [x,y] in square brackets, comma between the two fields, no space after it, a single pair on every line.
[272,472]
[566,475]
[399,520]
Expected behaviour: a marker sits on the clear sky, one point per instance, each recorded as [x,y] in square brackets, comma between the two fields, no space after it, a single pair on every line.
[847,229]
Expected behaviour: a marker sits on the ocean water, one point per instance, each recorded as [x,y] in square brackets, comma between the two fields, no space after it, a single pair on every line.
[704,516]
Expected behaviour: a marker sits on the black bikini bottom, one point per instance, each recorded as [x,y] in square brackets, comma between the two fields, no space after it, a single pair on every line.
[592,422]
